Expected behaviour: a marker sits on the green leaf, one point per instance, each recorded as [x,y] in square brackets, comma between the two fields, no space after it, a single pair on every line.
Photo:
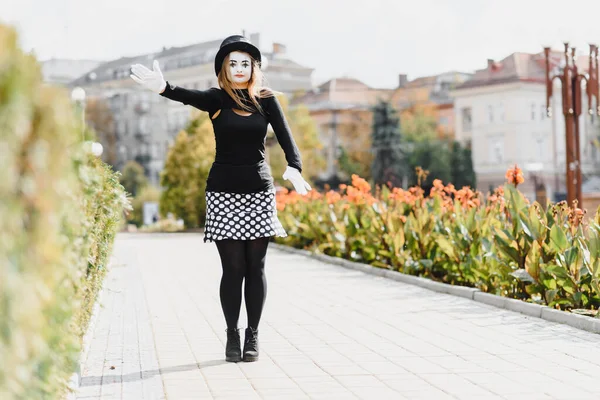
[486,244]
[550,295]
[594,243]
[535,223]
[556,270]
[532,262]
[507,248]
[571,255]
[447,247]
[549,283]
[527,228]
[558,238]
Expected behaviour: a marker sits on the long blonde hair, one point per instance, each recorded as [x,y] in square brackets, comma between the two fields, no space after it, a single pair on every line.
[255,86]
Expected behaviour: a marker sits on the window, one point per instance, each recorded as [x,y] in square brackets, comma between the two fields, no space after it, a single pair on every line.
[533,111]
[543,111]
[466,119]
[501,112]
[540,150]
[496,149]
[491,114]
[122,127]
[444,121]
[143,125]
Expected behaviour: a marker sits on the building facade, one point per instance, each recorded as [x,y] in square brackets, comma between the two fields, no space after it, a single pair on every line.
[431,95]
[501,113]
[146,124]
[60,71]
[341,109]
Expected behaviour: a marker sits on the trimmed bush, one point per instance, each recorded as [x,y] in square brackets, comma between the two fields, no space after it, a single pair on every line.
[58,215]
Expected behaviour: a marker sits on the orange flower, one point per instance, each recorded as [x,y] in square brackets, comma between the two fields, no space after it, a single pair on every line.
[332,197]
[450,189]
[313,195]
[467,197]
[360,184]
[515,175]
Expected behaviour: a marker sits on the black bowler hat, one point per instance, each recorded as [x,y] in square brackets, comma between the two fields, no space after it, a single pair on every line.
[235,43]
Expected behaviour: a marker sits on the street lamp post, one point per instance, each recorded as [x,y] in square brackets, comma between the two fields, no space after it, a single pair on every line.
[572,100]
[78,97]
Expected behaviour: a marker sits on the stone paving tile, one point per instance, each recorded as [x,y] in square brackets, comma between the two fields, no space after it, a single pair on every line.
[326,333]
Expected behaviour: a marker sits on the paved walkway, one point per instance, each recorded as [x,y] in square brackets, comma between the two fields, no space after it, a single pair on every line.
[327,333]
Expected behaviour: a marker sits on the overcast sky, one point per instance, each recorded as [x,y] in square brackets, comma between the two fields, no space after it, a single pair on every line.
[372,40]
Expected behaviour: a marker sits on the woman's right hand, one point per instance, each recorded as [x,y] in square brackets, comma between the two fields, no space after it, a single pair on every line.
[151,79]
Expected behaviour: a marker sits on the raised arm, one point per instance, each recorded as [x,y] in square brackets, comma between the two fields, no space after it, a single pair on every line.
[205,100]
[283,133]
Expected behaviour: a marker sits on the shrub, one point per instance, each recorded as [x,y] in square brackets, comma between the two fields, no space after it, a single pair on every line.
[59,209]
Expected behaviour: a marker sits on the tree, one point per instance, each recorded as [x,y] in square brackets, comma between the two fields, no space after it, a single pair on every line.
[148,193]
[461,161]
[447,161]
[418,125]
[186,169]
[388,156]
[305,134]
[133,178]
[432,156]
[100,117]
[355,156]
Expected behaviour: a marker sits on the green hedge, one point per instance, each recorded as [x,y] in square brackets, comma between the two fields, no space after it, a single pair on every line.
[58,216]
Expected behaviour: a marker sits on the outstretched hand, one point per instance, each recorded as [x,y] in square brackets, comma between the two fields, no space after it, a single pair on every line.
[294,176]
[151,79]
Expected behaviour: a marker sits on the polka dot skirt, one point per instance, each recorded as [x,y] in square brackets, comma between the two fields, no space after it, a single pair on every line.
[241,216]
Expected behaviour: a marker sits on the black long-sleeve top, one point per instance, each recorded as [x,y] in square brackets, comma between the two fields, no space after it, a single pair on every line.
[240,165]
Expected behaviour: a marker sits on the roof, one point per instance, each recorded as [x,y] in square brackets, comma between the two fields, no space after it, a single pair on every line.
[421,82]
[199,53]
[337,84]
[169,58]
[517,67]
[340,93]
[61,70]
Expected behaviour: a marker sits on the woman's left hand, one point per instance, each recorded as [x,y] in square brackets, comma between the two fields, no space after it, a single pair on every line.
[294,176]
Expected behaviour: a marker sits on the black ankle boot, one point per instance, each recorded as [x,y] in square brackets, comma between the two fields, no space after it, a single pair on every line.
[251,345]
[233,351]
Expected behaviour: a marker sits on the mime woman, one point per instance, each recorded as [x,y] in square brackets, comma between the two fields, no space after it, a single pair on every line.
[241,214]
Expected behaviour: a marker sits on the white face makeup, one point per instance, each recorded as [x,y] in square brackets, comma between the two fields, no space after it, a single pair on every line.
[240,67]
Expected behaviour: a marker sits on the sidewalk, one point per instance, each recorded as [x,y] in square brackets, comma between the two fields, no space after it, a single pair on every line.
[327,333]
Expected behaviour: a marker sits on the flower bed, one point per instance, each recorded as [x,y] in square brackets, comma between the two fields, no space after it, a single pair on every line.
[501,243]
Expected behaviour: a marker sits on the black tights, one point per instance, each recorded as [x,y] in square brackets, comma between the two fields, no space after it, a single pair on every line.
[243,259]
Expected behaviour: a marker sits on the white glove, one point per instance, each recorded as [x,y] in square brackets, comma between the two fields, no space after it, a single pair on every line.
[293,175]
[152,80]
